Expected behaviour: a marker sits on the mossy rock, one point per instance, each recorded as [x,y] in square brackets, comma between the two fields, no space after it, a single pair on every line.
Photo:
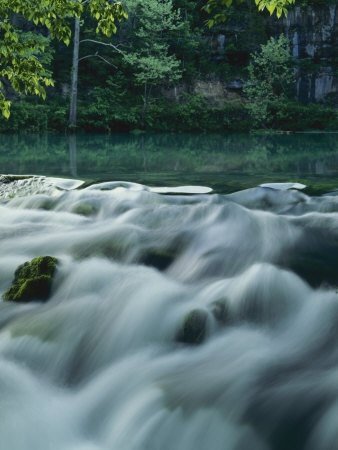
[32,280]
[194,328]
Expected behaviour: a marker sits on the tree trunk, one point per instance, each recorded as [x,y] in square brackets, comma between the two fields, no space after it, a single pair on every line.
[75,71]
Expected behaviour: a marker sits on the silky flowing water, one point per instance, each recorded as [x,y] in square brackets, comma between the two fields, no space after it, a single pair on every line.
[100,366]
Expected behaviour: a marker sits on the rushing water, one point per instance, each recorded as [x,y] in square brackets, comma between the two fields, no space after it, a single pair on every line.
[99,366]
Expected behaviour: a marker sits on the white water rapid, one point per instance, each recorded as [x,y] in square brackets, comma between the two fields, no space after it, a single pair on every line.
[100,366]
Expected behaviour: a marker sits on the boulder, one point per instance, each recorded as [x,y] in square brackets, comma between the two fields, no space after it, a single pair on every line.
[32,280]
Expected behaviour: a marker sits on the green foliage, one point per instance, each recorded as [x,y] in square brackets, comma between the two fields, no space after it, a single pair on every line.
[107,112]
[278,7]
[163,45]
[193,113]
[149,58]
[219,8]
[270,79]
[22,65]
[114,109]
[154,69]
[293,116]
[30,116]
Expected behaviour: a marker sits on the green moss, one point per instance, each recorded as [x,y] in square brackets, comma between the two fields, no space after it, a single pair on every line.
[32,280]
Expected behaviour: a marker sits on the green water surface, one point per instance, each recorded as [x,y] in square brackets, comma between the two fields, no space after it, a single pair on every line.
[225,162]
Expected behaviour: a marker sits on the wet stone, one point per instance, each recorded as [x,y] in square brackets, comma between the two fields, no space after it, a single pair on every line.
[32,280]
[194,328]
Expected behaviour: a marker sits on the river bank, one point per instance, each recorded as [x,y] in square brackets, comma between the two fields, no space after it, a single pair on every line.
[195,114]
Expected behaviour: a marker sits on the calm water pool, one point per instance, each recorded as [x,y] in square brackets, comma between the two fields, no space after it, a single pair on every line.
[224,162]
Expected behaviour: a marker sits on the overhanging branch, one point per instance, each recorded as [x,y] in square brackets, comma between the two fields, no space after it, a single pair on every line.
[96,55]
[107,44]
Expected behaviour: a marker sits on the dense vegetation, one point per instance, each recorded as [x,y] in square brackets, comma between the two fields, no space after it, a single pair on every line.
[164,69]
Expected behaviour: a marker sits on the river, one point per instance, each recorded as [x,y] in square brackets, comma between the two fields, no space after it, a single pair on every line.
[106,363]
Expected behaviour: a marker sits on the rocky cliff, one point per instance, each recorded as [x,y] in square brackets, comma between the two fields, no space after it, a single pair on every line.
[313,33]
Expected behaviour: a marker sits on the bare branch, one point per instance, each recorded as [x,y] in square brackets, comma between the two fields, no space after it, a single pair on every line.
[108,44]
[96,55]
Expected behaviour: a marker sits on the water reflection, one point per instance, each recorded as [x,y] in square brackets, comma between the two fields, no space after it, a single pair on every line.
[72,145]
[221,161]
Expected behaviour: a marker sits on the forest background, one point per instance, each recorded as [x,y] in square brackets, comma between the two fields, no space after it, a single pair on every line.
[171,67]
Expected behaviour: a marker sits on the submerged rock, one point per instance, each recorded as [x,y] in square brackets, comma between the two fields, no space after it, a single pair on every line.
[194,327]
[160,259]
[220,311]
[85,209]
[111,185]
[32,280]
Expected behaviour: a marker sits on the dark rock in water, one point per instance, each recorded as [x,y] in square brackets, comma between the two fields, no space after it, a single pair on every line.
[194,328]
[160,259]
[6,179]
[32,280]
[220,311]
[314,258]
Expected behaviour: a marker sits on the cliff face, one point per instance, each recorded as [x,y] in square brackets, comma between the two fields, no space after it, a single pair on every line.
[313,34]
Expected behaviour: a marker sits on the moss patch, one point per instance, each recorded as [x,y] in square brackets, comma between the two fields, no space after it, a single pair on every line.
[32,280]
